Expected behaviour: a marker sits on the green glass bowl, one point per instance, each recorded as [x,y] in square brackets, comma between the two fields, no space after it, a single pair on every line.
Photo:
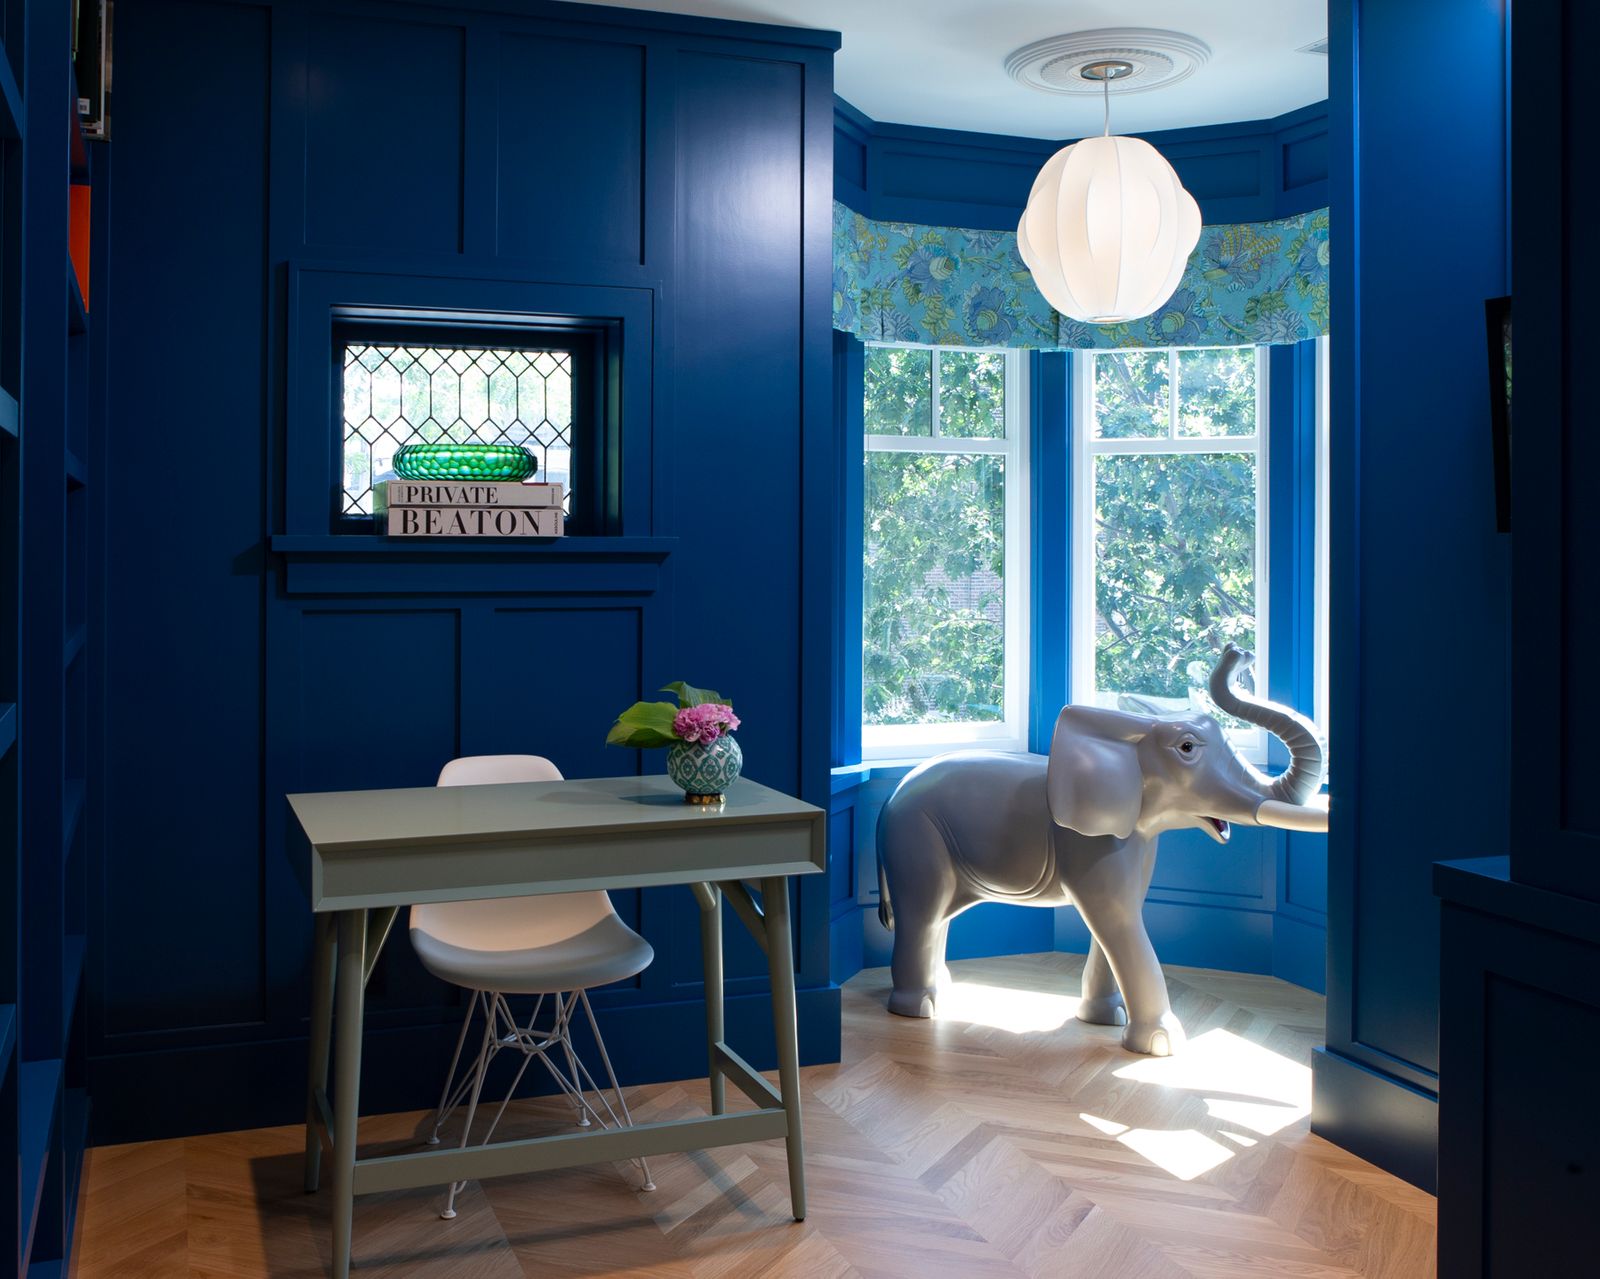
[463,462]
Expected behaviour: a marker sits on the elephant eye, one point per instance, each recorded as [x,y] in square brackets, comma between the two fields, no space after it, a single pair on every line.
[1186,746]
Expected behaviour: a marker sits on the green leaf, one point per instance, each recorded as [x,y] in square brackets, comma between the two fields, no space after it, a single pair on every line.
[644,725]
[688,695]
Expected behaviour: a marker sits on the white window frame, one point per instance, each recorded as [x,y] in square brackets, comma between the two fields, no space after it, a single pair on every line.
[918,741]
[1322,655]
[1252,743]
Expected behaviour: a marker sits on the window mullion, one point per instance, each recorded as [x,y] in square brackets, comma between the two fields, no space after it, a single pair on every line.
[933,394]
[1172,394]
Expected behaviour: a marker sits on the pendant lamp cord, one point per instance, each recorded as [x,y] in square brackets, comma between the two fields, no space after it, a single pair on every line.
[1106,85]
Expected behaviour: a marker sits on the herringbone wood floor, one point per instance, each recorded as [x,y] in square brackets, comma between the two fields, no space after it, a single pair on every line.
[1006,1139]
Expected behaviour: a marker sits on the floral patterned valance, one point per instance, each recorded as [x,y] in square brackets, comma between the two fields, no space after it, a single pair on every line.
[1246,283]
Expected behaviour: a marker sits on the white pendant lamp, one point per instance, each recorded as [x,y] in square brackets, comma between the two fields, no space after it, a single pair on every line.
[1109,228]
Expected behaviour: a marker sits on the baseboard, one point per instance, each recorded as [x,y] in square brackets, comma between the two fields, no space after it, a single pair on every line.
[1237,941]
[1376,1117]
[1187,933]
[225,1087]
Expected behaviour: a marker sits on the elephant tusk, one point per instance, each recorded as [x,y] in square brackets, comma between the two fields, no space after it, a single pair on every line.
[1312,816]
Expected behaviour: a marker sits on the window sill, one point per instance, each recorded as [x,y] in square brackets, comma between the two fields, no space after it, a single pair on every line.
[369,564]
[849,776]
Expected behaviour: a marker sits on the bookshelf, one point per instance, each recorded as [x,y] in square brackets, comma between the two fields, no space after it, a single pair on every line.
[51,419]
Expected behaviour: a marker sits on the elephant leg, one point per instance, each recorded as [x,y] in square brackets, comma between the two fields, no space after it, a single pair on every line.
[1101,1004]
[1109,893]
[917,965]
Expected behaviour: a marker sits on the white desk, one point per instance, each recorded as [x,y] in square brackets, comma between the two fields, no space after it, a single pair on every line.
[367,853]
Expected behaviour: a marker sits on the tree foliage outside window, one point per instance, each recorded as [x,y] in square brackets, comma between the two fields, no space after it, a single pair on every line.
[1176,460]
[938,460]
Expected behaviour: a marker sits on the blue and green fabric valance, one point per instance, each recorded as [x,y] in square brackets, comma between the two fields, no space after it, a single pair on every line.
[1261,283]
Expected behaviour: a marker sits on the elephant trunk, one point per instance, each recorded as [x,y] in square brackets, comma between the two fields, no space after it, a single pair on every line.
[1303,779]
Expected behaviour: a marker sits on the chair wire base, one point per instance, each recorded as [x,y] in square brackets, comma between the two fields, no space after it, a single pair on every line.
[501,1031]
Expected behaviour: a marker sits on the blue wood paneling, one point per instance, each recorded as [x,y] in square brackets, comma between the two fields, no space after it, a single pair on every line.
[577,192]
[737,364]
[1556,542]
[1413,537]
[685,214]
[386,678]
[516,680]
[384,132]
[184,615]
[1237,172]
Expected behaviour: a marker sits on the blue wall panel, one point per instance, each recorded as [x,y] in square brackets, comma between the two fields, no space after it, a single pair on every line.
[414,162]
[184,615]
[384,132]
[734,462]
[1416,561]
[557,188]
[1237,172]
[377,696]
[526,688]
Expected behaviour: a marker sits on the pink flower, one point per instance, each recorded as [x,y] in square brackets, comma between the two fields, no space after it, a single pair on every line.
[704,724]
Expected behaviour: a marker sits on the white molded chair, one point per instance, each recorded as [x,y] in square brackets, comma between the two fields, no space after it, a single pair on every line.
[554,947]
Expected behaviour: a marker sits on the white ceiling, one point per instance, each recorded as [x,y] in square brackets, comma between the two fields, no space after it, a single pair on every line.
[942,62]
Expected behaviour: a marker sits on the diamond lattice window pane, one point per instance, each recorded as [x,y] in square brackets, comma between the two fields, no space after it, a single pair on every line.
[394,395]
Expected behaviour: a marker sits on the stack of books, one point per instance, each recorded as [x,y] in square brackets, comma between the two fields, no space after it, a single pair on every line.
[459,508]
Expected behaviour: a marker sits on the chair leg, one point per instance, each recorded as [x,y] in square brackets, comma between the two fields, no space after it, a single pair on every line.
[605,1058]
[576,1085]
[485,1055]
[444,1095]
[572,1070]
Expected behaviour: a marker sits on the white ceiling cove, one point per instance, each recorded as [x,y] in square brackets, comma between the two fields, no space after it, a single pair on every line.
[941,63]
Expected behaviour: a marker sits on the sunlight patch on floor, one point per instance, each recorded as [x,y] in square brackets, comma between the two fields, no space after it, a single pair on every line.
[1251,1086]
[1182,1153]
[1021,1012]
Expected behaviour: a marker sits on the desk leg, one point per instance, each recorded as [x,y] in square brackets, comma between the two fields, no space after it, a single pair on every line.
[322,952]
[347,1080]
[780,963]
[711,956]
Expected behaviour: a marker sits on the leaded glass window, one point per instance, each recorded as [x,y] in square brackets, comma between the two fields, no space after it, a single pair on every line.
[395,393]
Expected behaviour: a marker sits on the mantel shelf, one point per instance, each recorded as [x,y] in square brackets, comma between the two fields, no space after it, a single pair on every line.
[364,564]
[361,546]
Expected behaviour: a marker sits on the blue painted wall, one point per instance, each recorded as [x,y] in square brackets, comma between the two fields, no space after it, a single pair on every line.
[1259,904]
[1420,578]
[668,178]
[1237,172]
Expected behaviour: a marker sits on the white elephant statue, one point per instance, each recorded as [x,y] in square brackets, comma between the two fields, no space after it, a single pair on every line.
[1081,830]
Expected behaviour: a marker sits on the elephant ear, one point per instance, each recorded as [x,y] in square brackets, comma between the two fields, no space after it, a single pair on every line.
[1094,784]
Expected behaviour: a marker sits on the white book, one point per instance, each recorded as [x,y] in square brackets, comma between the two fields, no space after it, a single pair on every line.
[391,493]
[475,521]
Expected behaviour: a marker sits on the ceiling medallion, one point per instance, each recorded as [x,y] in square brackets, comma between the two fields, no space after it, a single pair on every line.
[1158,58]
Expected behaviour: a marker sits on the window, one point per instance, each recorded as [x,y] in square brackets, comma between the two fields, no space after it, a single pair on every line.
[1169,511]
[944,607]
[396,392]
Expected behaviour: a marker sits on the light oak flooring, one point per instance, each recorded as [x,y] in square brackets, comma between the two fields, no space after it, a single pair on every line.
[1005,1139]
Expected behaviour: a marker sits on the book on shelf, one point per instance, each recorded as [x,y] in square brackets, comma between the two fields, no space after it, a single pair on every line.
[92,65]
[474,521]
[391,493]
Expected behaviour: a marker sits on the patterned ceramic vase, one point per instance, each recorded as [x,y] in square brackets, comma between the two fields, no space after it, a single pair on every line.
[705,772]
